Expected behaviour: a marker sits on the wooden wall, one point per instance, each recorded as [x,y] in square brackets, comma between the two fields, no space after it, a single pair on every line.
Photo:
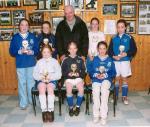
[140,64]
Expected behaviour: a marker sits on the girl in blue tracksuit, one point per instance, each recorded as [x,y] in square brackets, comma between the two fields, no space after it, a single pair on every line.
[102,71]
[24,48]
[122,48]
[46,37]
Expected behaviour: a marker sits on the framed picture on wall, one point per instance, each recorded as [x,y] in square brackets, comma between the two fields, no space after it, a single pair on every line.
[18,15]
[12,3]
[144,18]
[36,30]
[91,4]
[131,26]
[110,9]
[128,10]
[36,19]
[1,3]
[6,34]
[5,18]
[144,0]
[127,0]
[29,2]
[77,4]
[55,21]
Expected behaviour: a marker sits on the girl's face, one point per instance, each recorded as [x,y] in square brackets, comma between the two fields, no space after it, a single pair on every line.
[46,53]
[46,28]
[121,28]
[102,50]
[24,27]
[94,25]
[72,49]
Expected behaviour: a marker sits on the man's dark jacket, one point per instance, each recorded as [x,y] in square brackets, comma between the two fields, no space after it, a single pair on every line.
[79,34]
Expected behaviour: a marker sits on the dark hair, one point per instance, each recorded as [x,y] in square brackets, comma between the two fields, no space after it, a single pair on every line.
[46,46]
[94,18]
[122,21]
[70,43]
[24,20]
[102,43]
[46,22]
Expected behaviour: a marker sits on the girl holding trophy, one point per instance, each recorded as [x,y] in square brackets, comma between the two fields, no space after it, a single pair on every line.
[122,48]
[73,71]
[46,72]
[24,48]
[102,71]
[46,37]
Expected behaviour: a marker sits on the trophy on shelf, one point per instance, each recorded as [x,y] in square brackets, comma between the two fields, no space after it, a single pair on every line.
[102,69]
[73,68]
[54,4]
[121,49]
[25,45]
[45,74]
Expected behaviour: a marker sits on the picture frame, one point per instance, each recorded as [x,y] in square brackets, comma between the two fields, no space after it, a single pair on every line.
[144,0]
[54,4]
[18,15]
[1,3]
[110,9]
[36,30]
[6,34]
[12,3]
[131,26]
[128,0]
[42,4]
[29,2]
[60,2]
[144,19]
[77,4]
[128,10]
[5,18]
[91,4]
[55,21]
[36,18]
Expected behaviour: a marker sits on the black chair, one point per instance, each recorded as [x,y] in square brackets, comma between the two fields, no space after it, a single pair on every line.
[35,92]
[89,93]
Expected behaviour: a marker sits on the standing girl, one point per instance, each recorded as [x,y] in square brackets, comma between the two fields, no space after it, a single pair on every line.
[73,71]
[122,48]
[102,71]
[46,72]
[24,48]
[47,38]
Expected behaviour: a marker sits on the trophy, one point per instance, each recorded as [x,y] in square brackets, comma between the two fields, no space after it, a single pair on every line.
[121,49]
[102,69]
[93,53]
[74,68]
[45,74]
[45,41]
[25,45]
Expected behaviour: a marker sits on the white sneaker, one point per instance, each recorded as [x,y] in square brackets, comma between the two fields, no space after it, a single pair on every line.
[126,102]
[95,119]
[103,121]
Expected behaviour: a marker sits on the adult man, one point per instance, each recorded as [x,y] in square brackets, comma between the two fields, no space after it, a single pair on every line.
[72,28]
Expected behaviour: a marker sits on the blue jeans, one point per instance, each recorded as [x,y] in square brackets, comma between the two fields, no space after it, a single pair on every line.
[25,83]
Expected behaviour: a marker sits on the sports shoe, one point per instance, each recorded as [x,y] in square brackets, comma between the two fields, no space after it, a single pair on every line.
[77,111]
[125,100]
[103,121]
[71,112]
[95,119]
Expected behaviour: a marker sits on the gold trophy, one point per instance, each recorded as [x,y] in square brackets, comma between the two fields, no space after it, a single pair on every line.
[25,45]
[102,69]
[93,53]
[45,41]
[121,49]
[73,68]
[45,74]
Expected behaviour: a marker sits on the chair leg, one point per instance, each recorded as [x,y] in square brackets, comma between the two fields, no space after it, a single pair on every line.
[149,90]
[60,97]
[114,104]
[34,103]
[87,103]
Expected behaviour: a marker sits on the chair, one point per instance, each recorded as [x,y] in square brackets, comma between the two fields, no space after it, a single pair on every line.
[35,92]
[89,91]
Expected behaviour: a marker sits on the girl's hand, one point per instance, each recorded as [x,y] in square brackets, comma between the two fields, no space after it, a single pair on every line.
[116,57]
[30,52]
[77,74]
[70,74]
[123,54]
[100,76]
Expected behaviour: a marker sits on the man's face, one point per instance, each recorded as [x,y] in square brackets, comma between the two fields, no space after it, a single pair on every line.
[69,13]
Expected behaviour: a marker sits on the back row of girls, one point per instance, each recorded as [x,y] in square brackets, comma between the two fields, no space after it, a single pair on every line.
[101,68]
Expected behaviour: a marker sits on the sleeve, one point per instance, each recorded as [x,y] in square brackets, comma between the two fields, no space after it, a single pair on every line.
[59,41]
[85,40]
[65,70]
[57,75]
[35,46]
[133,49]
[110,49]
[36,72]
[13,50]
[54,46]
[82,74]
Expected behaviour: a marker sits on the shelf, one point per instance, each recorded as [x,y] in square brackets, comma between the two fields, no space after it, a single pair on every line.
[76,10]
